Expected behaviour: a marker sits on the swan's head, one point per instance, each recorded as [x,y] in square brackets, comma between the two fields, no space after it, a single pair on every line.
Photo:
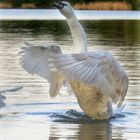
[65,8]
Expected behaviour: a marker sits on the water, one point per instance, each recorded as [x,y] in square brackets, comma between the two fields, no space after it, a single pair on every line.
[29,113]
[51,14]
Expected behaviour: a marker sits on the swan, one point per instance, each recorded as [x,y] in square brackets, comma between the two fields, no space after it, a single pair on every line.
[96,78]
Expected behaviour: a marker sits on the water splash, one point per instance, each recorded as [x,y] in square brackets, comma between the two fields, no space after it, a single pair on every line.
[78,117]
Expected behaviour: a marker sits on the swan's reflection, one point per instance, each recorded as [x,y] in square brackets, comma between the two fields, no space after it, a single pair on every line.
[100,130]
[97,130]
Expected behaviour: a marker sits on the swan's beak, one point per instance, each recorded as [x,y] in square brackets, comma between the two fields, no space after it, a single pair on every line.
[59,5]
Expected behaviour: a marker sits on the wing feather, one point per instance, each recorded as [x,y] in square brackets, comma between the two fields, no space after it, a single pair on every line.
[101,71]
[34,59]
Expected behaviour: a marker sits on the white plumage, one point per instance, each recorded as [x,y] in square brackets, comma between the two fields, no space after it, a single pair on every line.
[35,60]
[101,71]
[96,78]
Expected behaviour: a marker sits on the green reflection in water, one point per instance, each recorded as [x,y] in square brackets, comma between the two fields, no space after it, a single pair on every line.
[115,33]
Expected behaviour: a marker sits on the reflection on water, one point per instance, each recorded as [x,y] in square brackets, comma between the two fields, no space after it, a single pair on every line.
[100,130]
[30,113]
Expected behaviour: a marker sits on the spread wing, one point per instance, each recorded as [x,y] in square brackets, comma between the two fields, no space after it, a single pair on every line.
[101,71]
[34,59]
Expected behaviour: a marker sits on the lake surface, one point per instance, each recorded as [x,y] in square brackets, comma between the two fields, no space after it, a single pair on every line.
[28,113]
[51,14]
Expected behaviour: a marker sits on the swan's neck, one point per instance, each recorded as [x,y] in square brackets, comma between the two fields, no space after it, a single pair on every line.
[78,35]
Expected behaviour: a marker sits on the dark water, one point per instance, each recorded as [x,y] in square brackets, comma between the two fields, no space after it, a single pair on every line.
[28,113]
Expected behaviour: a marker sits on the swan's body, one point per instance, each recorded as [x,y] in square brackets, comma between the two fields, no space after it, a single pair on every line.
[96,78]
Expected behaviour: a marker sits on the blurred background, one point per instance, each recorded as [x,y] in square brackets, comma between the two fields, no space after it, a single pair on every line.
[78,4]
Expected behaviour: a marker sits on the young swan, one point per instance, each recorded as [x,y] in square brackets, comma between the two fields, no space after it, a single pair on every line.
[96,78]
